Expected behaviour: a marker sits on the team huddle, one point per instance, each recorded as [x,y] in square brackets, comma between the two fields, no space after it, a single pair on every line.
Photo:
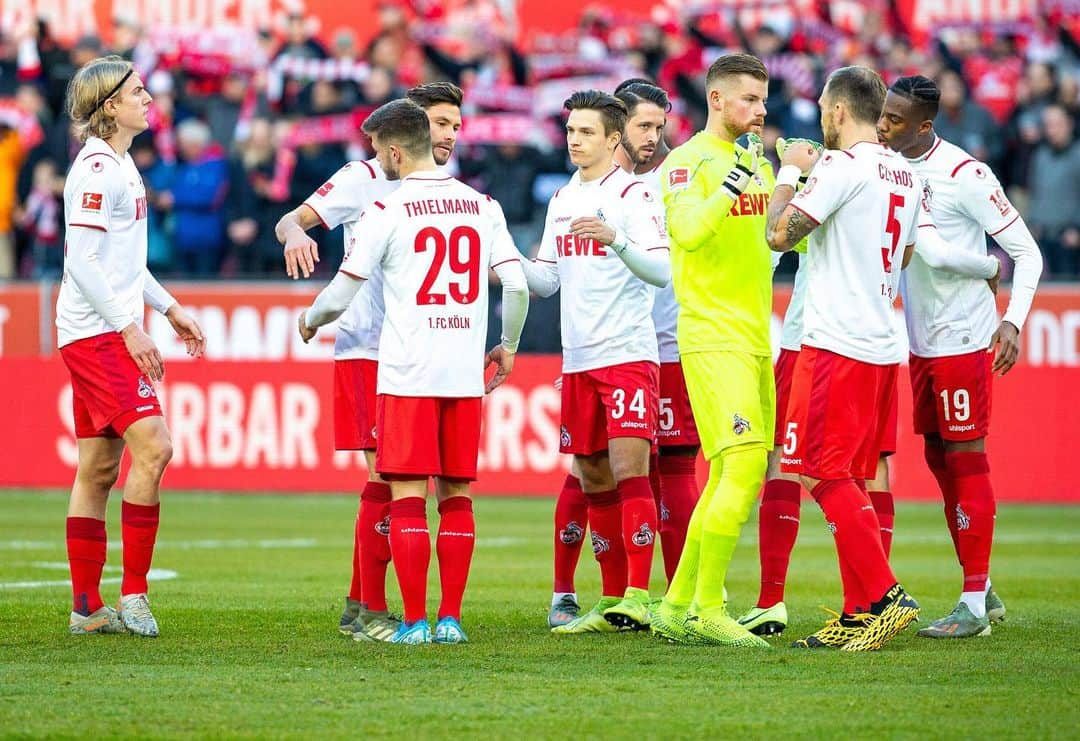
[663,261]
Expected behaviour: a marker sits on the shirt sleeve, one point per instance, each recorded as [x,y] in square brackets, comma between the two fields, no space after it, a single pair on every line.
[96,195]
[830,185]
[373,233]
[644,218]
[341,198]
[984,201]
[694,216]
[503,249]
[542,274]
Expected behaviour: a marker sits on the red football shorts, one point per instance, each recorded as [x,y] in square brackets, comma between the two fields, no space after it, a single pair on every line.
[782,371]
[615,401]
[837,416]
[422,436]
[109,392]
[952,395]
[354,404]
[675,420]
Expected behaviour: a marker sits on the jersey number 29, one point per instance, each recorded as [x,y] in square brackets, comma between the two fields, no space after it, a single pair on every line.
[461,249]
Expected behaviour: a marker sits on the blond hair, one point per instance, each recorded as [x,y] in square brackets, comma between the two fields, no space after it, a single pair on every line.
[87,93]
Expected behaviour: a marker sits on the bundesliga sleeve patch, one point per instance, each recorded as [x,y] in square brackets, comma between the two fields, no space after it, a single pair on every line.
[678,178]
[91,202]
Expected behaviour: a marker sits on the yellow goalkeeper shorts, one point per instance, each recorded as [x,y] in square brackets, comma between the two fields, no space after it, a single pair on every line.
[733,396]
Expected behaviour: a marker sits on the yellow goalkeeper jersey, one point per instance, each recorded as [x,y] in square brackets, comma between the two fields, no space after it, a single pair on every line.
[720,263]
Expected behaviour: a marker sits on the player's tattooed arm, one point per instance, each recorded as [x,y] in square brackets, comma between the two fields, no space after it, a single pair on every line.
[786,225]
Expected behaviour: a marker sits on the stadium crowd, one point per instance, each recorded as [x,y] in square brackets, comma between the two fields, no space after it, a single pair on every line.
[247,122]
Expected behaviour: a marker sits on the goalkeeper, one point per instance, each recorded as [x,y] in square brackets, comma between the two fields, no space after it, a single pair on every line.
[716,193]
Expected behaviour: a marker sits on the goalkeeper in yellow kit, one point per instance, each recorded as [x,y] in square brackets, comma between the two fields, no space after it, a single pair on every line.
[716,193]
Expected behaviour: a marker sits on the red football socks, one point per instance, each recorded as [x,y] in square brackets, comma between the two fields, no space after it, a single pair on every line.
[454,546]
[975,512]
[778,527]
[854,526]
[679,495]
[571,519]
[935,459]
[886,515]
[605,522]
[372,546]
[410,545]
[639,522]
[86,543]
[138,526]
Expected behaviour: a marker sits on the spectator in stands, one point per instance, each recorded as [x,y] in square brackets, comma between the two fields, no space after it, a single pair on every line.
[11,156]
[41,218]
[1054,209]
[197,200]
[158,176]
[965,123]
[250,211]
[379,88]
[222,111]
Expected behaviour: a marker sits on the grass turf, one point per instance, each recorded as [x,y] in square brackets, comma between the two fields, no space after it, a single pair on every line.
[249,645]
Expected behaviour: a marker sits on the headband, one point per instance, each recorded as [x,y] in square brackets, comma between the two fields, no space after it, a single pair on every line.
[114,91]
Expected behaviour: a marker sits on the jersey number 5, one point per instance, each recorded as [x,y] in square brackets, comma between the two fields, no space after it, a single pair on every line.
[462,248]
[892,228]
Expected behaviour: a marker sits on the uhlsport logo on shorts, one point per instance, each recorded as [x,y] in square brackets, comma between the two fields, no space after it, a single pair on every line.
[740,424]
[564,436]
[572,533]
[382,527]
[600,544]
[644,536]
[145,389]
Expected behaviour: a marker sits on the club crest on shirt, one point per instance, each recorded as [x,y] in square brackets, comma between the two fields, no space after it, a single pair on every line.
[740,424]
[600,544]
[927,196]
[678,178]
[564,436]
[600,214]
[145,390]
[91,201]
[572,533]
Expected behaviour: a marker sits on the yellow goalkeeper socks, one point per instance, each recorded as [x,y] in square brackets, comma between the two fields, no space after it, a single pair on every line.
[684,580]
[743,471]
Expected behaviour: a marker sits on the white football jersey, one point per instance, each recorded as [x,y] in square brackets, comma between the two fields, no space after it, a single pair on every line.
[791,334]
[948,314]
[606,309]
[341,200]
[434,239]
[665,313]
[866,200]
[104,191]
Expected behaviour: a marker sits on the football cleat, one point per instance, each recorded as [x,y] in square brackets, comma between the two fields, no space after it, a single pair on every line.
[631,612]
[591,622]
[563,611]
[838,631]
[418,632]
[959,623]
[668,623]
[898,614]
[766,621]
[995,608]
[377,626]
[346,626]
[134,612]
[717,628]
[448,630]
[102,620]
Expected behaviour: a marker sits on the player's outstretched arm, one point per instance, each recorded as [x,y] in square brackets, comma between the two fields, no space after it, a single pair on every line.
[940,255]
[650,264]
[541,276]
[301,251]
[329,304]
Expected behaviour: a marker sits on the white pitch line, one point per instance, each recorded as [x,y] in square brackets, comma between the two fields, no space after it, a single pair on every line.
[152,575]
[183,545]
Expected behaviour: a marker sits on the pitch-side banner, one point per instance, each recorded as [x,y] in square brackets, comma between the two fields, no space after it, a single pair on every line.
[256,414]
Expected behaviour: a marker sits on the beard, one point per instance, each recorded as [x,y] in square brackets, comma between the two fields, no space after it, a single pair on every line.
[831,135]
[636,154]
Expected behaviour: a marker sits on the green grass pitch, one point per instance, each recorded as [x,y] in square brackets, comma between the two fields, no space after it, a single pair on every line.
[249,644]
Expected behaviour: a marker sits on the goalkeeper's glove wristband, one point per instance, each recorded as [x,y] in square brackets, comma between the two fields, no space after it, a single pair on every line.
[737,180]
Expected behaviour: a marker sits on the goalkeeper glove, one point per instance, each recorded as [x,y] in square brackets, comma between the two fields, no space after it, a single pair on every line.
[782,145]
[749,152]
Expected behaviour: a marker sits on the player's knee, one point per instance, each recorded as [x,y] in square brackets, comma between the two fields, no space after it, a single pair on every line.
[155,454]
[100,476]
[965,446]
